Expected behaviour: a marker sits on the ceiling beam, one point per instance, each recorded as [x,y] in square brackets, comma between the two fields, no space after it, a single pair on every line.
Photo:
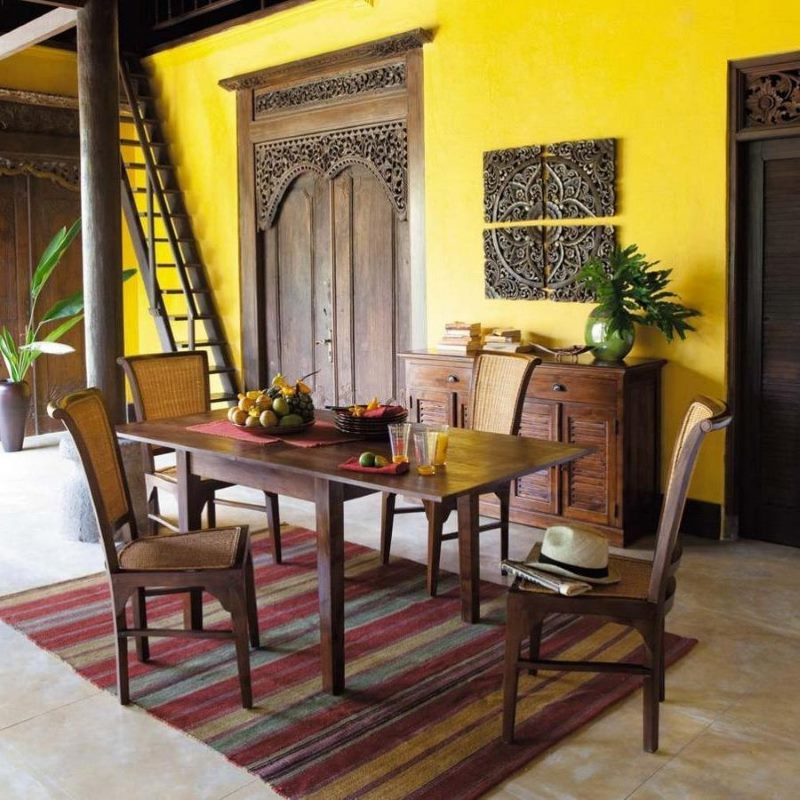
[37,30]
[62,3]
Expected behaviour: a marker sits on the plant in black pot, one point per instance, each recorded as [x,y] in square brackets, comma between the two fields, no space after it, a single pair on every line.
[37,338]
[630,291]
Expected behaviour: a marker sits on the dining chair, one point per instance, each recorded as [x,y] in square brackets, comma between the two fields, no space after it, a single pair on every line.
[217,561]
[171,385]
[641,599]
[496,397]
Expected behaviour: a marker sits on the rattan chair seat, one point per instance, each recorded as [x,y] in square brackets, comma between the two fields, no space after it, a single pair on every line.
[633,584]
[210,549]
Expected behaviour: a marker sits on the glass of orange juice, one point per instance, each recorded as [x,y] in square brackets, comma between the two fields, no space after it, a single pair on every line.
[398,437]
[440,458]
[425,443]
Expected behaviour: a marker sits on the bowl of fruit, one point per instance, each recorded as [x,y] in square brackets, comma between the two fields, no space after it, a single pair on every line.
[281,409]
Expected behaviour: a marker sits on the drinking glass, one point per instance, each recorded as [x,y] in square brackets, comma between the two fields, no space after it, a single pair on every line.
[425,443]
[398,438]
[440,458]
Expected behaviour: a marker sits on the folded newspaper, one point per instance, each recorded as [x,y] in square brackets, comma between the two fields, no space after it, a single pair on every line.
[566,586]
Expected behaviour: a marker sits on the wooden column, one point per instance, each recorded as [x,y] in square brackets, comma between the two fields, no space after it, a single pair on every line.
[98,88]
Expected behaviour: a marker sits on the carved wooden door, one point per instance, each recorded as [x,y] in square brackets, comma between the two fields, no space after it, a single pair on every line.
[31,211]
[333,257]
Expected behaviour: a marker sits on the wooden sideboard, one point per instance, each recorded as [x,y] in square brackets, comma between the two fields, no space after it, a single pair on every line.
[613,408]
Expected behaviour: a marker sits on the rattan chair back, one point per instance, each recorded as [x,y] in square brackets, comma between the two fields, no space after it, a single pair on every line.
[85,416]
[168,384]
[499,383]
[703,416]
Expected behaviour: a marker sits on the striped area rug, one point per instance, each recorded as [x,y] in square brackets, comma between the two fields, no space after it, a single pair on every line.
[422,710]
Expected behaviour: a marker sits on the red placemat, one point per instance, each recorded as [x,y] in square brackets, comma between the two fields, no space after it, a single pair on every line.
[390,469]
[319,435]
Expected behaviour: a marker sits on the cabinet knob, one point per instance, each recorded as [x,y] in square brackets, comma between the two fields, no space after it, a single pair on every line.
[559,387]
[452,378]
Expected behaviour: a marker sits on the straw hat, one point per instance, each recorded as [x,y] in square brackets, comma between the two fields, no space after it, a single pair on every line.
[575,553]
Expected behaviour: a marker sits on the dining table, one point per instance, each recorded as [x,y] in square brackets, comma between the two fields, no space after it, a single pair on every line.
[208,445]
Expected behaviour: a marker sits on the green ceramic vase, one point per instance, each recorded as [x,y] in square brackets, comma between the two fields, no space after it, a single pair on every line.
[607,346]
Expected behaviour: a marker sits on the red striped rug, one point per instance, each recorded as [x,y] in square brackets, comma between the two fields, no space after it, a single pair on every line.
[422,709]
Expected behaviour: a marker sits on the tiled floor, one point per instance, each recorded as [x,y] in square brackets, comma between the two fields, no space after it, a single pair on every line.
[729,727]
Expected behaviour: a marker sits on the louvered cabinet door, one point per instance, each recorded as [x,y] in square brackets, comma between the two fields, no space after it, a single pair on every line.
[539,492]
[432,407]
[589,485]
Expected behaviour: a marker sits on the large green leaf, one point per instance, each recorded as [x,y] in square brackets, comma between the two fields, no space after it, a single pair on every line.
[67,307]
[58,332]
[51,256]
[53,348]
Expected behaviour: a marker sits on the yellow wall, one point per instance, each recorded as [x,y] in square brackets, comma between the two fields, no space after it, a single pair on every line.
[46,69]
[653,75]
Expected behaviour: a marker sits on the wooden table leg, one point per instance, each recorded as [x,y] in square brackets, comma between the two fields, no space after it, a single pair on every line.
[189,509]
[469,557]
[189,519]
[329,498]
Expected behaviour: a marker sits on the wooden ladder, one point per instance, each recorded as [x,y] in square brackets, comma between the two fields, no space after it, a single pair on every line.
[178,291]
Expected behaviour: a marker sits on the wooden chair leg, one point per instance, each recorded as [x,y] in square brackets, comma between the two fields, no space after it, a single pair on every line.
[274,523]
[514,634]
[193,610]
[239,616]
[504,496]
[252,608]
[123,684]
[140,621]
[436,518]
[387,524]
[534,641]
[662,682]
[650,692]
[154,508]
[211,511]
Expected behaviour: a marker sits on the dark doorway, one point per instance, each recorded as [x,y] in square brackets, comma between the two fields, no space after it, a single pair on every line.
[762,492]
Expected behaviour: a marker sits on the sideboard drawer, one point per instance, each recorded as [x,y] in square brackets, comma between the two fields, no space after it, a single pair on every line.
[565,385]
[449,377]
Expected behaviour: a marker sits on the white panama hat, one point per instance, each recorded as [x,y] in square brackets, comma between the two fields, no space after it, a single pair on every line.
[575,553]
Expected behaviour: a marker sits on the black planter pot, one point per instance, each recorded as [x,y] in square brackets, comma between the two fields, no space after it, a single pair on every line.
[15,403]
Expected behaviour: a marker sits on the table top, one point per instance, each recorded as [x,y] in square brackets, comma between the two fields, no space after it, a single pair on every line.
[474,459]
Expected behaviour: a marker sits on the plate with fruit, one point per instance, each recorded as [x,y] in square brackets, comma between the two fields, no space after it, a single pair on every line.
[369,419]
[281,409]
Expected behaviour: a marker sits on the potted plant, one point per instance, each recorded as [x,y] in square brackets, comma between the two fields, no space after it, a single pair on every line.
[630,291]
[15,394]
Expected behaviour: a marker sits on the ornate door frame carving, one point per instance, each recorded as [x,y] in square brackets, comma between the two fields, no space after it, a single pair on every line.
[762,104]
[360,105]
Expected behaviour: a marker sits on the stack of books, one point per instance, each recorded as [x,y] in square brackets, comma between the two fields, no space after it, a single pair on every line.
[462,338]
[508,340]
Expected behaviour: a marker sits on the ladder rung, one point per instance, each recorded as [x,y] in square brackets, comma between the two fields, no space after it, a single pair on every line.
[223,397]
[165,191]
[215,370]
[185,317]
[180,291]
[140,165]
[206,343]
[158,214]
[183,239]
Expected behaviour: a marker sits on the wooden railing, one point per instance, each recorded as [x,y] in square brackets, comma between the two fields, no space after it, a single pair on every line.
[166,13]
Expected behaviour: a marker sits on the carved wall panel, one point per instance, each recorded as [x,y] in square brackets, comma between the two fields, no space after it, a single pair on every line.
[568,248]
[364,82]
[579,179]
[512,184]
[383,149]
[541,262]
[64,172]
[18,117]
[566,180]
[514,265]
[772,99]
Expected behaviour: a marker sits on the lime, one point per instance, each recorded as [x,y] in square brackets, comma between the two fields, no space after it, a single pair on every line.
[367,459]
[381,461]
[291,420]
